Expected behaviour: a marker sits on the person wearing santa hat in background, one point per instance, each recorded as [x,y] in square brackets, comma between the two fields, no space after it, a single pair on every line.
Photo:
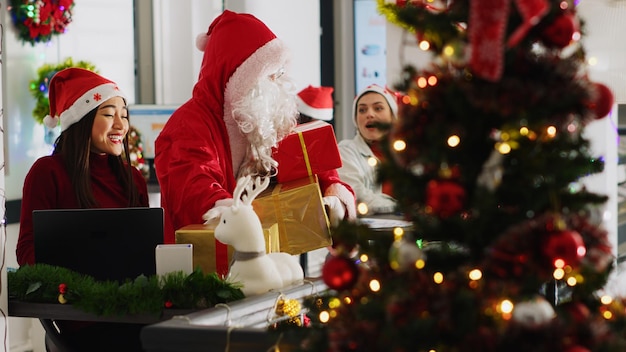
[242,105]
[315,103]
[361,154]
[85,170]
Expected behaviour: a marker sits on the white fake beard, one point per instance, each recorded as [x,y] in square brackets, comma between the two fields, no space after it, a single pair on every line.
[265,116]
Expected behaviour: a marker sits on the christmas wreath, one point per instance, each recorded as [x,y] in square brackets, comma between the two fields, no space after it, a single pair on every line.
[37,21]
[42,283]
[39,87]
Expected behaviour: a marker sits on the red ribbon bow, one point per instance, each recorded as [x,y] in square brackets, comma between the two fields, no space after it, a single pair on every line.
[487,27]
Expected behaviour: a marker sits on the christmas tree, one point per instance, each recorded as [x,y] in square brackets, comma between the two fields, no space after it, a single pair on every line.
[506,251]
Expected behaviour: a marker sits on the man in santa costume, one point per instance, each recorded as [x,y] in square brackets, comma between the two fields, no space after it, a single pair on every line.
[241,106]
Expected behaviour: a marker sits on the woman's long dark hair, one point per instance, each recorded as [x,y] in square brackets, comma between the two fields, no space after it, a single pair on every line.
[74,145]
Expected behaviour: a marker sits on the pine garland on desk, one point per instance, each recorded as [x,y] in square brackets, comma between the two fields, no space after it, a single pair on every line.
[42,283]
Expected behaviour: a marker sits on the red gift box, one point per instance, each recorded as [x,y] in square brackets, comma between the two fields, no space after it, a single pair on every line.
[309,150]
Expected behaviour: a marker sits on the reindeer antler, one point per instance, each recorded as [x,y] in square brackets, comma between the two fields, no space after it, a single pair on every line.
[242,185]
[253,189]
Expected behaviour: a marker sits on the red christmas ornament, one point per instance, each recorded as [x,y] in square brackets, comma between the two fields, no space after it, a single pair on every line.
[168,304]
[340,273]
[603,103]
[445,197]
[566,245]
[560,32]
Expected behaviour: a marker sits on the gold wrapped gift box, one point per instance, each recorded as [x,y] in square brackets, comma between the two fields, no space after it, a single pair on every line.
[204,248]
[297,207]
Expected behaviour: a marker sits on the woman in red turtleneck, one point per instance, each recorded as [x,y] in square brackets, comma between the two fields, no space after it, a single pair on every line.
[89,168]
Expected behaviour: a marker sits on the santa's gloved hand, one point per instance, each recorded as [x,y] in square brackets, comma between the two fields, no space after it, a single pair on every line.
[216,211]
[335,209]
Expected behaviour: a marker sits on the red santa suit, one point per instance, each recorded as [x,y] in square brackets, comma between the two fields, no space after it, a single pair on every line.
[201,147]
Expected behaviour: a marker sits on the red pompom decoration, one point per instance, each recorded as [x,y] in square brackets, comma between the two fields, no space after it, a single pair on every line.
[566,245]
[340,273]
[603,103]
[560,32]
[445,197]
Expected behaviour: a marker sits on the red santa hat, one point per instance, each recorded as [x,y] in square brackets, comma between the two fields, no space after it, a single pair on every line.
[389,96]
[316,102]
[74,92]
[239,51]
[244,49]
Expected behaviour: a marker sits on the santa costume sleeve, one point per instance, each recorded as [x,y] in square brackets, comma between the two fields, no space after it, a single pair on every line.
[192,169]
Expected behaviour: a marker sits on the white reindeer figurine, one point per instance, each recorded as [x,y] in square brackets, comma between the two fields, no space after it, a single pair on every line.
[240,227]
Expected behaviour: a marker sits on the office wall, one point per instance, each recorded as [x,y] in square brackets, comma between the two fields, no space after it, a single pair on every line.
[101,32]
[176,25]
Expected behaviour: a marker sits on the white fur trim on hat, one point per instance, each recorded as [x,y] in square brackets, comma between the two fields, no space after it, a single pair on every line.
[51,122]
[87,102]
[386,93]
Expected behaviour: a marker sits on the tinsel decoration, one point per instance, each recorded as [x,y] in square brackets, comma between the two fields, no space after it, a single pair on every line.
[36,21]
[292,309]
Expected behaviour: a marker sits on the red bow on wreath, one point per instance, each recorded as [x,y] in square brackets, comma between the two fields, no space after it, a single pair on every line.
[487,27]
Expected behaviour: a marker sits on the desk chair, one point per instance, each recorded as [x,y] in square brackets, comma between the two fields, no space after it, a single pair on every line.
[53,339]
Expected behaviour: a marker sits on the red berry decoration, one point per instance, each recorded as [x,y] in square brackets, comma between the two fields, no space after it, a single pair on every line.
[603,103]
[340,273]
[560,32]
[566,245]
[445,197]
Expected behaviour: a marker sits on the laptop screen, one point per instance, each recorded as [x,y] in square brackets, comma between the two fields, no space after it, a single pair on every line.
[109,244]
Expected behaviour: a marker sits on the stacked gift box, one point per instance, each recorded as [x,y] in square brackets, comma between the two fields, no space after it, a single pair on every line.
[291,210]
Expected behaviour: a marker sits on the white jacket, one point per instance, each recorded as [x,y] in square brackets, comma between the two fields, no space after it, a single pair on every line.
[361,176]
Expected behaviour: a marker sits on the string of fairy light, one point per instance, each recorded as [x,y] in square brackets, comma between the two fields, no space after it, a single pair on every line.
[503,307]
